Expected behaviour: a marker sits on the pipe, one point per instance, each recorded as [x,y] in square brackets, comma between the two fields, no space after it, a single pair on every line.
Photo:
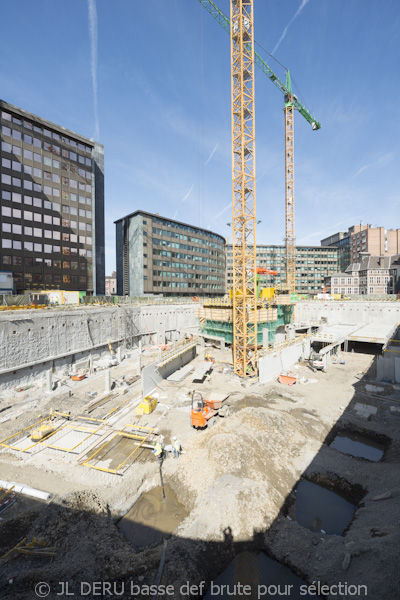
[25,489]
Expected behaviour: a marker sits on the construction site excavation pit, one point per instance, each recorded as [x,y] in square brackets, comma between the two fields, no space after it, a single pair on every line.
[256,575]
[360,445]
[154,516]
[324,506]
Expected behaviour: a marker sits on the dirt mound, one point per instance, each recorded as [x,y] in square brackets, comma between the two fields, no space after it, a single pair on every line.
[239,471]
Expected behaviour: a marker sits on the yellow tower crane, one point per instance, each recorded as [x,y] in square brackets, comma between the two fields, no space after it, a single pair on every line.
[243,190]
[291,103]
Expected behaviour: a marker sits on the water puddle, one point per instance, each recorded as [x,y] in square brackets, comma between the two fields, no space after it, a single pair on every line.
[150,519]
[358,445]
[317,508]
[265,577]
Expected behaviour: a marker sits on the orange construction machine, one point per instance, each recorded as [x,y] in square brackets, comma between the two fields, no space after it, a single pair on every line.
[204,412]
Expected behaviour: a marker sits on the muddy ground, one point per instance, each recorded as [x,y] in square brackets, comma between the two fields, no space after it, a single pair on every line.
[236,483]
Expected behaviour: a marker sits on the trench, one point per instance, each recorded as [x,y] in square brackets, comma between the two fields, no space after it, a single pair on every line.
[264,577]
[151,519]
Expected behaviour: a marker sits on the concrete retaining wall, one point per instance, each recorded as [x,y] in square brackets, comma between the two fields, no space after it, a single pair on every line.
[33,341]
[349,312]
[274,363]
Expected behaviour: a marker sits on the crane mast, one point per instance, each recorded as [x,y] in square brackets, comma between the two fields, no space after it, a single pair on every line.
[243,189]
[290,237]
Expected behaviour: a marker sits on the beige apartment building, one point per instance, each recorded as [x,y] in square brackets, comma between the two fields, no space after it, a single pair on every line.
[377,241]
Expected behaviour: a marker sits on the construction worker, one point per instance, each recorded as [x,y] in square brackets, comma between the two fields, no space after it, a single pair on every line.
[158,451]
[176,447]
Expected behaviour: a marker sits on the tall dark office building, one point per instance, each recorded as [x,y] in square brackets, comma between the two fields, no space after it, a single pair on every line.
[52,205]
[156,255]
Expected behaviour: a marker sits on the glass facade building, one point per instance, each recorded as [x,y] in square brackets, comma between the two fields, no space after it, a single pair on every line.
[52,205]
[156,255]
[313,264]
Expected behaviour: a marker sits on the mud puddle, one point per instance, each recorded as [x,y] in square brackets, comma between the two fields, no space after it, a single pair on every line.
[358,445]
[320,509]
[150,519]
[265,576]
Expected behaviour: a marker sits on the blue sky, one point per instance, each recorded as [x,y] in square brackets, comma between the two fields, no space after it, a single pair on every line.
[161,70]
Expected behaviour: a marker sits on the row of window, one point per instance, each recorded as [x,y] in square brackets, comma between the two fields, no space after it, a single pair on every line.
[15,165]
[30,261]
[9,244]
[179,284]
[17,229]
[29,185]
[48,146]
[51,134]
[188,228]
[16,213]
[47,204]
[48,278]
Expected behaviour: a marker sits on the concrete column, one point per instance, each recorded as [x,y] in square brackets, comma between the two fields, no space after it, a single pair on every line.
[202,343]
[222,344]
[265,338]
[139,364]
[140,345]
[107,383]
[119,354]
[49,381]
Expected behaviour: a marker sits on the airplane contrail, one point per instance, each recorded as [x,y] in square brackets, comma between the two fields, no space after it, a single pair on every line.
[93,33]
[298,11]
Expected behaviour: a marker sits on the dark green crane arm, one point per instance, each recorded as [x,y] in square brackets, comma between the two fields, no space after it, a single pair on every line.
[286,91]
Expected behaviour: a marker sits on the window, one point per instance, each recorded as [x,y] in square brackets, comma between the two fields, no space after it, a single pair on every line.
[37,217]
[6,179]
[28,230]
[16,213]
[37,157]
[28,185]
[16,229]
[6,260]
[27,138]
[37,232]
[16,135]
[66,279]
[28,216]
[37,202]
[47,250]
[27,170]
[16,197]
[47,161]
[17,245]
[16,166]
[16,181]
[6,147]
[37,247]
[6,211]
[6,227]
[5,243]
[5,162]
